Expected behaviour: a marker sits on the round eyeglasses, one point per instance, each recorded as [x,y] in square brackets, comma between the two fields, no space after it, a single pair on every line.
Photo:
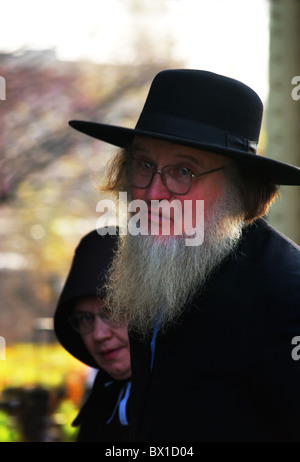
[177,179]
[83,322]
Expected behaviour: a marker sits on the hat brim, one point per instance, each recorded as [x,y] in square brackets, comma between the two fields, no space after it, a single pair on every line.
[277,172]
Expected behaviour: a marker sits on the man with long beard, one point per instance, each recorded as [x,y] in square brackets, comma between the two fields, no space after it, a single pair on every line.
[212,326]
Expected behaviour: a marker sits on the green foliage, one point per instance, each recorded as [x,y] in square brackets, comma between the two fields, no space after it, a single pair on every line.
[8,429]
[64,417]
[42,393]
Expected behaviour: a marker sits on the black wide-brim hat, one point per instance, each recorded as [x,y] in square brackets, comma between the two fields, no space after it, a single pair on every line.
[86,277]
[203,110]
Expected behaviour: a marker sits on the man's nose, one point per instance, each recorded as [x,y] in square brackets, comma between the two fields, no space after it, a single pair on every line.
[101,330]
[157,190]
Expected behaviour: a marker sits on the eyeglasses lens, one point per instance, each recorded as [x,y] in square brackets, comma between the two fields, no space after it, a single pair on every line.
[176,179]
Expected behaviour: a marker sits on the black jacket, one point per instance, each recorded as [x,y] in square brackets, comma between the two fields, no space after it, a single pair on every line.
[98,419]
[226,371]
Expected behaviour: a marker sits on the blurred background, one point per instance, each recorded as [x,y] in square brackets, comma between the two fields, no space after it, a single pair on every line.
[95,60]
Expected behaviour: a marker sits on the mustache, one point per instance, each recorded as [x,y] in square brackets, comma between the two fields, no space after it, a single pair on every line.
[161,217]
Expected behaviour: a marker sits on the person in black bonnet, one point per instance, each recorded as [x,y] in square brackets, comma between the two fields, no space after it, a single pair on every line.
[83,327]
[212,326]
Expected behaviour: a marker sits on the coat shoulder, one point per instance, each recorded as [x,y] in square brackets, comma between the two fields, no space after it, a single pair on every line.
[272,246]
[273,259]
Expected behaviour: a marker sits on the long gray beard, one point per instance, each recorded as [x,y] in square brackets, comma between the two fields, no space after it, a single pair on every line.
[151,278]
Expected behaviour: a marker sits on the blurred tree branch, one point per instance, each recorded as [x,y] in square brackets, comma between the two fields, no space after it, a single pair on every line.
[42,95]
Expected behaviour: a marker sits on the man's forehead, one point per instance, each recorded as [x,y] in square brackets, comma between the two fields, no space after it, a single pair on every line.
[155,146]
[89,303]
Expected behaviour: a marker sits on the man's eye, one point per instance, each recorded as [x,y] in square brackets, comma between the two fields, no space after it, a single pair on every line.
[104,316]
[85,317]
[145,165]
[183,171]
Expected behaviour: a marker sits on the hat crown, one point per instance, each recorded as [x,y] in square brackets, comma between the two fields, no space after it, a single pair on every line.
[202,98]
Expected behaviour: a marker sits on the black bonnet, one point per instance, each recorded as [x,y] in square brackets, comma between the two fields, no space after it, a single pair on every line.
[86,277]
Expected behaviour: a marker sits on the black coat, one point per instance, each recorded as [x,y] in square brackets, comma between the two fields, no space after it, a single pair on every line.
[226,371]
[86,277]
[99,408]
